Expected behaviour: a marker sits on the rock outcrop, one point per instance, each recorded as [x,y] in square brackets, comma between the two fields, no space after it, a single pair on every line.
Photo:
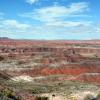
[52,58]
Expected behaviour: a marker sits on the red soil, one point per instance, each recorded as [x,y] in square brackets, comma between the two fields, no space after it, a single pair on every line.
[60,50]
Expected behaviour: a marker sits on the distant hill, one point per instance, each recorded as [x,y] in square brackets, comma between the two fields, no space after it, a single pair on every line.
[4,38]
[29,42]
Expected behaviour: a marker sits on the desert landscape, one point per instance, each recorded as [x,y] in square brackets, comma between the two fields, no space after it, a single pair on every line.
[49,49]
[49,69]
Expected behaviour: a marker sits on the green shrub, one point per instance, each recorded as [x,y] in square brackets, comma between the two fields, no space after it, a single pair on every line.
[1,58]
[89,97]
[41,98]
[9,94]
[98,97]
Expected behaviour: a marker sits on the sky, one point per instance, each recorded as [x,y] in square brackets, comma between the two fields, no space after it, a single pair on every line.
[50,19]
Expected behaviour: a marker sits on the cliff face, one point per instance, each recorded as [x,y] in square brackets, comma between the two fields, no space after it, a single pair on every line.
[77,58]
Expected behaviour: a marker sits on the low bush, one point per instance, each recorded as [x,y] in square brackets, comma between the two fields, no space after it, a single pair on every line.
[41,98]
[98,97]
[89,97]
[1,58]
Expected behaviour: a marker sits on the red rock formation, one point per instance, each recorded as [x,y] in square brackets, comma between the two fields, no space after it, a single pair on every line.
[72,52]
[89,77]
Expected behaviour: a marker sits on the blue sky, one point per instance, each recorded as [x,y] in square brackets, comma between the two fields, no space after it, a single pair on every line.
[50,19]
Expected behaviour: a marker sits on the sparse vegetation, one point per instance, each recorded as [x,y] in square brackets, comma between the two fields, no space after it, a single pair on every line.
[1,58]
[9,94]
[56,70]
[89,97]
[41,98]
[98,97]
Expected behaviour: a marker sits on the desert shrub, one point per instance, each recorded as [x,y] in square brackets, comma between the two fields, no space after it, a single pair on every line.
[22,62]
[1,58]
[53,95]
[72,98]
[98,97]
[41,98]
[9,94]
[89,97]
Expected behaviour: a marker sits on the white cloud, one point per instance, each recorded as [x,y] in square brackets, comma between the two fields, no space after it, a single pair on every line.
[49,31]
[57,15]
[79,7]
[69,23]
[14,24]
[53,21]
[13,28]
[31,1]
[56,12]
[97,28]
[58,32]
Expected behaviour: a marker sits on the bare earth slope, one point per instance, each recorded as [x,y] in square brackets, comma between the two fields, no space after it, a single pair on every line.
[55,57]
[39,67]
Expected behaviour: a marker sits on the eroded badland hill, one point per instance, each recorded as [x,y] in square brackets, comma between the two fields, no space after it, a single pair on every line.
[57,69]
